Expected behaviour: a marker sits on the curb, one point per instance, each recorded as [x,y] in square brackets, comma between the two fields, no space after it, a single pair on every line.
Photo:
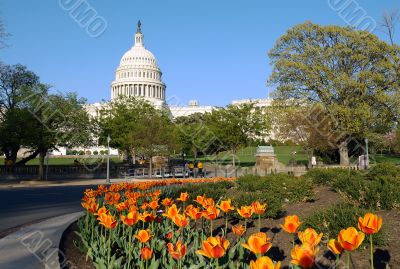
[36,246]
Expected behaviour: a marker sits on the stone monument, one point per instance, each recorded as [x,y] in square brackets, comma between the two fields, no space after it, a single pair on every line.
[265,158]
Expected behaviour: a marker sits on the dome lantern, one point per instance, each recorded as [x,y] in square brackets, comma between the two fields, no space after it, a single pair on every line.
[139,36]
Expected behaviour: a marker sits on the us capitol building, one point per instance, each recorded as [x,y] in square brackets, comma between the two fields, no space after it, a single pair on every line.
[138,75]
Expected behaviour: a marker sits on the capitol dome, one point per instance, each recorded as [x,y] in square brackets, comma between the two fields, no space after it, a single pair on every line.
[138,74]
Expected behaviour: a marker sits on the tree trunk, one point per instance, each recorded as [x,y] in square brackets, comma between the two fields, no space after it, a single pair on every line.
[30,157]
[344,154]
[233,159]
[42,155]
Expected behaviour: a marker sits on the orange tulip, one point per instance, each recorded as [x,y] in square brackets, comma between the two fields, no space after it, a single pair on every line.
[291,225]
[90,205]
[178,251]
[144,206]
[167,202]
[245,211]
[226,206]
[101,210]
[350,239]
[183,197]
[194,213]
[107,221]
[154,204]
[264,263]
[180,220]
[121,206]
[258,243]
[172,211]
[147,217]
[258,208]
[304,256]
[370,224]
[238,230]
[208,202]
[131,219]
[310,236]
[335,247]
[211,213]
[143,236]
[214,247]
[200,199]
[146,253]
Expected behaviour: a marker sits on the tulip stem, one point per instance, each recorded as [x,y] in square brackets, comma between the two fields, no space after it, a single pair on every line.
[109,248]
[259,223]
[372,252]
[337,260]
[211,228]
[217,263]
[226,225]
[348,259]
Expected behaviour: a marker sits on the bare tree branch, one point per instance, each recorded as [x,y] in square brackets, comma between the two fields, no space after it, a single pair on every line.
[388,25]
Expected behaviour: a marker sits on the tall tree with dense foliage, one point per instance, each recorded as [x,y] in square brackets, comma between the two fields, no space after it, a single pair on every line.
[124,119]
[153,136]
[14,82]
[56,120]
[236,126]
[194,136]
[352,73]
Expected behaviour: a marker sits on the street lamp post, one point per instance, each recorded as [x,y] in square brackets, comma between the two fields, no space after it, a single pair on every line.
[367,154]
[108,159]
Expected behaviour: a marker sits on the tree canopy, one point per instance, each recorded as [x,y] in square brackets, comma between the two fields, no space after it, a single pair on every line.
[353,74]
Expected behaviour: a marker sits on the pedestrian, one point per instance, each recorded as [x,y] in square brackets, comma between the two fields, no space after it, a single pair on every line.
[200,168]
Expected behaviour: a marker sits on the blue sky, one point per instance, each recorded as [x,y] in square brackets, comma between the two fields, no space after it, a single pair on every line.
[214,51]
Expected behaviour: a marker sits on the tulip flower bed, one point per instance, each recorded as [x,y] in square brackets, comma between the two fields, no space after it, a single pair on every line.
[135,226]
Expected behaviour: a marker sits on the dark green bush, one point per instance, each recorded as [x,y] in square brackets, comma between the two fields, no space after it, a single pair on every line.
[321,176]
[384,169]
[335,218]
[380,193]
[252,183]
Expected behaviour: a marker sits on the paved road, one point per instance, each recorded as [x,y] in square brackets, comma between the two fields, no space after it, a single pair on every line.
[20,206]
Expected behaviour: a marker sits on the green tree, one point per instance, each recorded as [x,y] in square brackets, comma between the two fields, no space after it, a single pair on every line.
[153,136]
[57,120]
[194,136]
[236,126]
[14,82]
[120,119]
[353,74]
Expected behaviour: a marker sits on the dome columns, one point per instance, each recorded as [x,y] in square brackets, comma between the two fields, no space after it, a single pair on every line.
[139,90]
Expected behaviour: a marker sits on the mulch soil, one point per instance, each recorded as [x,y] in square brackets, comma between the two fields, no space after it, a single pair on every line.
[384,255]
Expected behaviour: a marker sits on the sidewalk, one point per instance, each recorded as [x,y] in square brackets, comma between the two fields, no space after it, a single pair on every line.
[35,246]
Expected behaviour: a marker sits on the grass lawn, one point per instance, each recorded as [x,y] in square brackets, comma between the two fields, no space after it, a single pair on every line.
[70,161]
[246,156]
[378,158]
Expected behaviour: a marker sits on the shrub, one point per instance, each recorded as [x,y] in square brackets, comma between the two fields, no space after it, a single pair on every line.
[252,183]
[328,176]
[335,218]
[384,169]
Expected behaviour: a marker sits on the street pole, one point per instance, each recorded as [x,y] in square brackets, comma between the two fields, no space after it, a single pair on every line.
[367,154]
[108,159]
